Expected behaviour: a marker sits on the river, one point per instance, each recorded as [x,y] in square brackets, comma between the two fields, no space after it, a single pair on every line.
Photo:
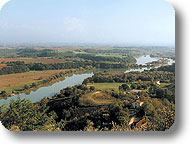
[146,59]
[49,91]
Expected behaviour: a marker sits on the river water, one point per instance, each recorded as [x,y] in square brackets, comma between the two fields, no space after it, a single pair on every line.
[49,91]
[146,59]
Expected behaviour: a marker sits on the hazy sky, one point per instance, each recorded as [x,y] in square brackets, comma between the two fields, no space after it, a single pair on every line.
[141,22]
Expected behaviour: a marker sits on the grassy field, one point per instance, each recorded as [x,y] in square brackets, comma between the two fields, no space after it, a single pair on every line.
[33,60]
[106,86]
[96,98]
[115,86]
[17,81]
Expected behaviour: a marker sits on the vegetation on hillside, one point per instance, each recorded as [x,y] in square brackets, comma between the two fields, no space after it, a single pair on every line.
[85,107]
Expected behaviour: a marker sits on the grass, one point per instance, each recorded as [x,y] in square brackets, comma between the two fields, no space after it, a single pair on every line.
[106,86]
[95,99]
[17,88]
[30,72]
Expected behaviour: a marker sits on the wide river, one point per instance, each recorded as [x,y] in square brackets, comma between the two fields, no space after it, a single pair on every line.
[49,91]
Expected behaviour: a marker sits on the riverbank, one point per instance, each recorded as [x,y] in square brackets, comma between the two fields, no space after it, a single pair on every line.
[56,76]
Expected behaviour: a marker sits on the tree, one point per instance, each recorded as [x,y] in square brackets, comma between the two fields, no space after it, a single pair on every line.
[118,114]
[124,87]
[133,86]
[27,116]
[149,109]
[92,88]
[34,84]
[26,87]
[3,94]
[85,82]
[144,86]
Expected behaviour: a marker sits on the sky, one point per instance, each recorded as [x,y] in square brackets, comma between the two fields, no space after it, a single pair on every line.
[132,22]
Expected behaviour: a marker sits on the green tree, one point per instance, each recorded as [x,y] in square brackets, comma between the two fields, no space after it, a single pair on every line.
[133,86]
[26,87]
[27,116]
[92,88]
[34,84]
[124,87]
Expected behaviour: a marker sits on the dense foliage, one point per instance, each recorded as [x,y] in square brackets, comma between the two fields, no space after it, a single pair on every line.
[64,112]
[165,77]
[25,116]
[20,66]
[14,67]
[167,68]
[127,59]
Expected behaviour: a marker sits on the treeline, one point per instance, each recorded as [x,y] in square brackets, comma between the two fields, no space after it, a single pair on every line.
[20,66]
[122,50]
[169,68]
[69,54]
[166,77]
[57,66]
[35,53]
[14,67]
[8,53]
[165,74]
[126,59]
[72,65]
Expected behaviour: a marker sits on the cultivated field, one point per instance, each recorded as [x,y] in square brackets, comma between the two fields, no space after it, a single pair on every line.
[17,81]
[33,60]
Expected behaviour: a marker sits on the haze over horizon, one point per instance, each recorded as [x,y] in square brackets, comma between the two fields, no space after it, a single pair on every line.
[131,22]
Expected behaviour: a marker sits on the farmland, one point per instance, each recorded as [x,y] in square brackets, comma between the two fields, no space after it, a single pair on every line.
[16,82]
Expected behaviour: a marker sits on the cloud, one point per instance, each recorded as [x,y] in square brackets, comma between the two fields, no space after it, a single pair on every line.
[2,3]
[73,24]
